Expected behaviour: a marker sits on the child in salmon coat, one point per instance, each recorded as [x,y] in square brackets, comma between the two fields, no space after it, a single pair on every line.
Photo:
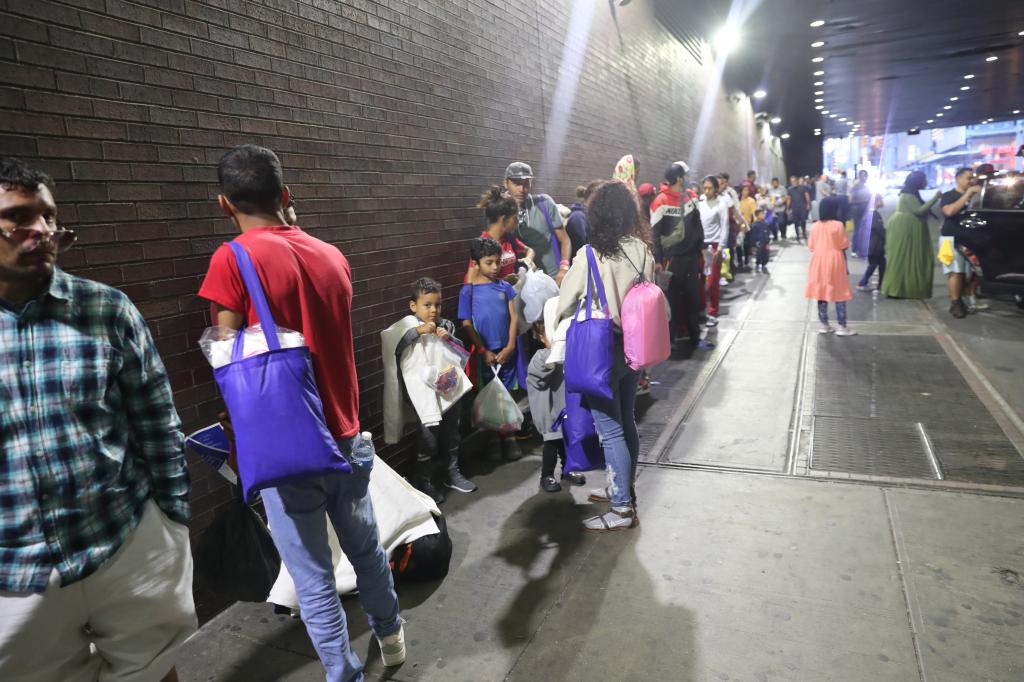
[827,278]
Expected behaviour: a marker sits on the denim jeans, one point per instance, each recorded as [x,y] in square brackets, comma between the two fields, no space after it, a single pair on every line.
[616,425]
[840,312]
[298,515]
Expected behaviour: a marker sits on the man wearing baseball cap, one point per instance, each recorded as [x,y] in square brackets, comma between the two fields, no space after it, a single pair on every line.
[540,224]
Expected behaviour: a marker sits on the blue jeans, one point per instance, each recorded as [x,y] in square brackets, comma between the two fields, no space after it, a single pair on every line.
[616,425]
[298,522]
[840,312]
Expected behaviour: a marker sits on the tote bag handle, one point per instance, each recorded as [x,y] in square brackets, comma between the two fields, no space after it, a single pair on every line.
[255,289]
[594,280]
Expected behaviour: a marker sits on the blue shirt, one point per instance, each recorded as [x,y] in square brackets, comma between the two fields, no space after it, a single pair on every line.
[486,305]
[88,433]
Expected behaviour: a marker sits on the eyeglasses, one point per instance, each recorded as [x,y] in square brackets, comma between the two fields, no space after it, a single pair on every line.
[62,240]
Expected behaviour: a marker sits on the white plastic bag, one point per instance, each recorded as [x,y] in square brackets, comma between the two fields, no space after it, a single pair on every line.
[494,408]
[217,342]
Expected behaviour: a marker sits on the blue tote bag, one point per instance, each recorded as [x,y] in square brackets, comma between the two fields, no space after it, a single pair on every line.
[590,343]
[583,451]
[278,419]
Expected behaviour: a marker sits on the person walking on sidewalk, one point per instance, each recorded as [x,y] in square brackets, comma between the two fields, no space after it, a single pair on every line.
[798,202]
[95,565]
[780,221]
[876,247]
[714,210]
[618,240]
[308,285]
[860,202]
[911,259]
[827,277]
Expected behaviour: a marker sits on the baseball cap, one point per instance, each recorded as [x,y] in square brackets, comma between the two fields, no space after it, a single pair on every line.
[682,164]
[517,170]
[646,190]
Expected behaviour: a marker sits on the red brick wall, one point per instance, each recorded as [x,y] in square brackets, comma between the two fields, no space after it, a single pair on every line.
[389,118]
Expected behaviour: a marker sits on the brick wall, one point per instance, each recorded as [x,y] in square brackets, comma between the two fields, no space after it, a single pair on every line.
[389,118]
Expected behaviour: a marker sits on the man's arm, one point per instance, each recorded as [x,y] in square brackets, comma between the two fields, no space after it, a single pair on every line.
[950,210]
[565,247]
[154,423]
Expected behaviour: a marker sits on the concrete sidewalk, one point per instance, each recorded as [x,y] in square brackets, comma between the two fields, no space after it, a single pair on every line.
[738,571]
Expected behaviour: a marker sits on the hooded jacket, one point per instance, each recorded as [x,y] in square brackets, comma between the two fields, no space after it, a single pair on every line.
[675,227]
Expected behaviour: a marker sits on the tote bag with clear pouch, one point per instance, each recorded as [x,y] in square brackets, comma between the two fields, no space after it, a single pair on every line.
[281,434]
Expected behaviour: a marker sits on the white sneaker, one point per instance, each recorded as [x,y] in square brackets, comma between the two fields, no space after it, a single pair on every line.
[825,329]
[712,321]
[845,331]
[392,648]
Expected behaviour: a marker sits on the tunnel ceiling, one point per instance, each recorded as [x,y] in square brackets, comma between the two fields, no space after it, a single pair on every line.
[888,65]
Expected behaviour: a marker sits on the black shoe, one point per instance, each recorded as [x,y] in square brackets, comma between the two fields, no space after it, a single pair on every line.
[425,485]
[574,478]
[549,484]
[957,309]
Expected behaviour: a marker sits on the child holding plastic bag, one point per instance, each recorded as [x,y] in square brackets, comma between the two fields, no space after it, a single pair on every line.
[423,362]
[545,386]
[488,315]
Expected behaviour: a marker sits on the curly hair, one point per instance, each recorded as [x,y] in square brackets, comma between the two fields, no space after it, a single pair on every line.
[423,286]
[482,247]
[612,216]
[15,174]
[497,203]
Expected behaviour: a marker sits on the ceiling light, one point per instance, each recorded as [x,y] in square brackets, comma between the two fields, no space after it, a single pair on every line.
[1021,33]
[819,92]
[832,115]
[940,114]
[760,94]
[931,120]
[947,107]
[819,22]
[1016,111]
[776,120]
[817,133]
[726,40]
[965,88]
[819,106]
[819,73]
[849,123]
[824,111]
[785,136]
[991,59]
[818,83]
[818,59]
[818,100]
[818,43]
[968,76]
[953,99]
[842,119]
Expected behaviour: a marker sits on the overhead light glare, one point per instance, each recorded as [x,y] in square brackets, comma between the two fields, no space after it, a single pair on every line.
[939,115]
[1016,111]
[843,118]
[820,22]
[726,40]
[931,120]
[818,43]
[785,136]
[817,133]
[832,115]
[818,83]
[991,59]
[760,94]
[819,73]
[818,99]
[819,106]
[965,88]
[968,76]
[947,107]
[819,92]
[817,60]
[953,99]
[776,120]
[824,111]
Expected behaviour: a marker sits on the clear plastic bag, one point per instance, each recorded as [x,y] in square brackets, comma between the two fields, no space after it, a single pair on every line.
[218,342]
[494,408]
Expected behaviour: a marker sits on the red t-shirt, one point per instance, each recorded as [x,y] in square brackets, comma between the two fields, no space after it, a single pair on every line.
[510,247]
[308,284]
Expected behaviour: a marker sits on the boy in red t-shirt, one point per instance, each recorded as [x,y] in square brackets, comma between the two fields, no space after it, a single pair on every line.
[502,213]
[308,285]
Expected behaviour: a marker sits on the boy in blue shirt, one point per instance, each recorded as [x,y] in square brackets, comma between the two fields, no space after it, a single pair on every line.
[489,318]
[760,235]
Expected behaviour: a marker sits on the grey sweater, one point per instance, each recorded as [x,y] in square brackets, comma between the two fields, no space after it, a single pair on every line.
[546,390]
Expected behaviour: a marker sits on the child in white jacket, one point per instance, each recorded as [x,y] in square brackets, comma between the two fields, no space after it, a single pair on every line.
[432,391]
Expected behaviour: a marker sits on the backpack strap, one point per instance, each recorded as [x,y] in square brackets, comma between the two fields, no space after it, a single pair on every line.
[555,246]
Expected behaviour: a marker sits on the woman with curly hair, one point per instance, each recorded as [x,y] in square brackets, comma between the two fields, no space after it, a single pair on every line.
[617,236]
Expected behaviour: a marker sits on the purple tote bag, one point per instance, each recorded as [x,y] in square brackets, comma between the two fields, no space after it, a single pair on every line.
[583,451]
[280,431]
[590,343]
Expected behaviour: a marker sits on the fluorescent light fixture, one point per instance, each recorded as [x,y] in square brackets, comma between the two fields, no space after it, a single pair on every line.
[947,107]
[817,60]
[819,92]
[832,115]
[819,73]
[824,111]
[842,118]
[991,59]
[953,99]
[818,22]
[931,120]
[726,40]
[785,136]
[1020,33]
[818,83]
[817,133]
[776,120]
[968,76]
[819,106]
[760,94]
[818,43]
[965,88]
[1015,111]
[939,115]
[818,100]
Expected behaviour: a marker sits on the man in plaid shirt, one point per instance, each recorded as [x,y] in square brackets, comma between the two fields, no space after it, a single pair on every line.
[95,567]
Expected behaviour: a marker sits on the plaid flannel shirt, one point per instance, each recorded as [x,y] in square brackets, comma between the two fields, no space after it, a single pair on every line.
[88,433]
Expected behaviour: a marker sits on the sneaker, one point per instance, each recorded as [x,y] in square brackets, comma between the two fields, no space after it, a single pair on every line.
[845,331]
[974,306]
[957,309]
[426,486]
[644,387]
[392,648]
[619,518]
[712,321]
[550,484]
[574,478]
[510,449]
[704,344]
[456,481]
[863,287]
[825,329]
[600,495]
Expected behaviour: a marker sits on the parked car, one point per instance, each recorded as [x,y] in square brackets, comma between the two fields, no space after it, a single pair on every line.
[994,234]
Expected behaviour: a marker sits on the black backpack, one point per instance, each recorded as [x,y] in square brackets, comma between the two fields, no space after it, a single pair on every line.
[423,560]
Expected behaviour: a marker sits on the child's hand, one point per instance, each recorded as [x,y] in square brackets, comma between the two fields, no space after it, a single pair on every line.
[442,333]
[490,358]
[427,328]
[502,357]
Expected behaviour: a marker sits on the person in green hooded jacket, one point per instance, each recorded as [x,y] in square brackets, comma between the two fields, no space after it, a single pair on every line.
[908,243]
